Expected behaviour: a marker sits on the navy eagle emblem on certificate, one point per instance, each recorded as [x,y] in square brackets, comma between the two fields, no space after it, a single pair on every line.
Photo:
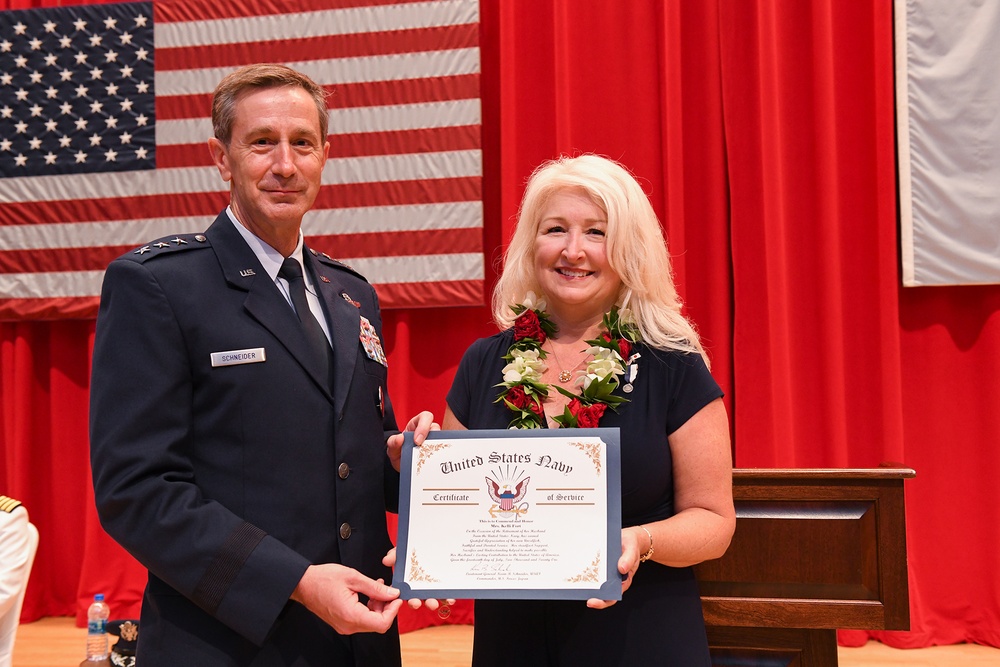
[505,498]
[510,514]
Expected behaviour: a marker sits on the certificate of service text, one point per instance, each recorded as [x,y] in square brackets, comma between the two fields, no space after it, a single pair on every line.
[530,514]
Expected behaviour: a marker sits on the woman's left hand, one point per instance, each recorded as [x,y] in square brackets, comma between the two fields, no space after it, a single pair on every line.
[389,560]
[633,539]
[422,424]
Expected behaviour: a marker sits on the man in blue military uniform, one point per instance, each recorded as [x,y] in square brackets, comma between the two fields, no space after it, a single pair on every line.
[243,445]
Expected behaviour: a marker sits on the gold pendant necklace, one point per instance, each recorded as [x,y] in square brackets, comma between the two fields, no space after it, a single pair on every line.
[564,375]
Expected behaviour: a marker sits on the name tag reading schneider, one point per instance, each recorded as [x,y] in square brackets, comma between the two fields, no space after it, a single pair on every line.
[253,355]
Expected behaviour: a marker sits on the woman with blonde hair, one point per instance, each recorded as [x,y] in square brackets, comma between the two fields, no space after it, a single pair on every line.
[592,334]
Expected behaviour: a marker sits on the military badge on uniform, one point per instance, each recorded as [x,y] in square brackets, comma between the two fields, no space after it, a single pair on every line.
[371,342]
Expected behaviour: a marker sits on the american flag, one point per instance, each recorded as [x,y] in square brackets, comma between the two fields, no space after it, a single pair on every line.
[105,113]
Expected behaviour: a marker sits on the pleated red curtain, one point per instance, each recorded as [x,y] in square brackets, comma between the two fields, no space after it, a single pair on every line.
[763,132]
[837,365]
[44,371]
[809,135]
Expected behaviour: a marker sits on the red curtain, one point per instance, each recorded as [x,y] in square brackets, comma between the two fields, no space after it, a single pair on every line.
[763,132]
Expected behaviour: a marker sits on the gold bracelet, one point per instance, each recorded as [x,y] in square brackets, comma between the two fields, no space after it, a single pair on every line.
[649,554]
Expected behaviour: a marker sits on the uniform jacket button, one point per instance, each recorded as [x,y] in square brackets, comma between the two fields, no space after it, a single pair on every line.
[344,470]
[345,530]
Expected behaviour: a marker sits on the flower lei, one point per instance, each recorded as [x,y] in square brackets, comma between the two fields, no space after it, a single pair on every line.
[524,391]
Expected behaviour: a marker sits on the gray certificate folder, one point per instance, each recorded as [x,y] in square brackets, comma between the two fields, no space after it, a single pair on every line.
[510,514]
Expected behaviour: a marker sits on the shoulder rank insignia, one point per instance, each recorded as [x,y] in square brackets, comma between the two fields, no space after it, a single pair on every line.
[8,504]
[168,244]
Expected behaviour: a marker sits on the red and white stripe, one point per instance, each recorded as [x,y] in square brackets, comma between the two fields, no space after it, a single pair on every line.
[401,195]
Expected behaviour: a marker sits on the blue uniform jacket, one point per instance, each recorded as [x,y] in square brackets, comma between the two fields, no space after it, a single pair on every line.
[227,481]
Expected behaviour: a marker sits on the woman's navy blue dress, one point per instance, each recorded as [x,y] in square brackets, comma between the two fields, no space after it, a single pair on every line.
[659,619]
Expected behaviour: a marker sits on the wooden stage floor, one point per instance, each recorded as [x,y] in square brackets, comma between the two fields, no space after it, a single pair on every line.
[57,642]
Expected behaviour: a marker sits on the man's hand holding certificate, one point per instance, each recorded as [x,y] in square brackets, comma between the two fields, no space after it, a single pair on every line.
[511,514]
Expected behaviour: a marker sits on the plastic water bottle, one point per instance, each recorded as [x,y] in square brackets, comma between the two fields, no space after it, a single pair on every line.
[97,628]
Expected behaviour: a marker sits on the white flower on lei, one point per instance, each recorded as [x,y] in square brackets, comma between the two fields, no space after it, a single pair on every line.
[525,366]
[533,302]
[606,362]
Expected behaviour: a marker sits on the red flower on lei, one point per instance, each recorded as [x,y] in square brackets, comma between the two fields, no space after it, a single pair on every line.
[517,397]
[587,416]
[527,325]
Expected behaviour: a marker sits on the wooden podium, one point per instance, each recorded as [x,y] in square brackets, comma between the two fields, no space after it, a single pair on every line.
[814,550]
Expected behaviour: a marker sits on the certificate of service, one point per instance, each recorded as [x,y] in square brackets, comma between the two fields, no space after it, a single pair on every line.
[531,514]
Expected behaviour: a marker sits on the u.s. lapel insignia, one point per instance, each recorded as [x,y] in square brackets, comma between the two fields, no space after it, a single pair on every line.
[370,341]
[246,273]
